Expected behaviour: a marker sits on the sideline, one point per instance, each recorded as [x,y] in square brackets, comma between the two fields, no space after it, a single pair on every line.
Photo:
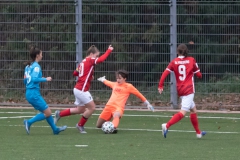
[125,115]
[129,129]
[133,108]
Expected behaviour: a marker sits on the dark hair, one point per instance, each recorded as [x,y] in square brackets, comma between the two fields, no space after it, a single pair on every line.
[34,51]
[182,50]
[123,73]
[93,49]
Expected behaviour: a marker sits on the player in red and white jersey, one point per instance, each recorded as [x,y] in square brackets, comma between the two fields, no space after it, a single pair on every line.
[184,68]
[83,99]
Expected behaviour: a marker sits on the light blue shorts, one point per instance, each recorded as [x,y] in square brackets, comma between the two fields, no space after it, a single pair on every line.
[34,97]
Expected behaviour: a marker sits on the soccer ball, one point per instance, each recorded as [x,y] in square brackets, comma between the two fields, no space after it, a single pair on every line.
[107,127]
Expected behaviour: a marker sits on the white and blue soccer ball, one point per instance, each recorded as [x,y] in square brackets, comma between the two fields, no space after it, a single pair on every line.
[108,127]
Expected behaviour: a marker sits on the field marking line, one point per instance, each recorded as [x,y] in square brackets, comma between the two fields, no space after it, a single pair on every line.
[18,112]
[16,117]
[126,115]
[81,145]
[157,109]
[129,129]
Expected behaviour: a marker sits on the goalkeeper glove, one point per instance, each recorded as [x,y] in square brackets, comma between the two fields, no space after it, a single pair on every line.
[101,79]
[149,106]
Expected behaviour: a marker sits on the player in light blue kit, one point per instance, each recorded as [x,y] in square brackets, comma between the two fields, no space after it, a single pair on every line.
[32,79]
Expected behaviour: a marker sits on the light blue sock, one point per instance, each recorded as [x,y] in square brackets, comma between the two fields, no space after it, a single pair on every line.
[38,117]
[51,123]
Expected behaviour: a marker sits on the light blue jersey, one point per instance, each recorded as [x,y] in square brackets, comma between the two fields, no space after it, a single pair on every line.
[33,74]
[32,78]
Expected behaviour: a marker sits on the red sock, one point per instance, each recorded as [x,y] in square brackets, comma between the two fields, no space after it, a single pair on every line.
[115,122]
[65,112]
[194,120]
[177,117]
[82,121]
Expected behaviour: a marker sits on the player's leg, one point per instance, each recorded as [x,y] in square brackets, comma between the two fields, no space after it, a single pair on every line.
[43,107]
[71,111]
[116,119]
[117,114]
[36,118]
[67,112]
[194,121]
[100,122]
[106,115]
[39,104]
[48,114]
[87,100]
[88,112]
[178,116]
[29,122]
[34,99]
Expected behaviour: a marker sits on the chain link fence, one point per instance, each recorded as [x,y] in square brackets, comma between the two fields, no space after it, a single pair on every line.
[140,34]
[211,28]
[51,26]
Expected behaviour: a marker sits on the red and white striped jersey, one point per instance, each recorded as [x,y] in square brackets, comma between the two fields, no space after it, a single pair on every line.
[85,71]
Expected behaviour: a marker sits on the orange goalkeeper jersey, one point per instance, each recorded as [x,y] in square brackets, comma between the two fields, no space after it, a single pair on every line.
[120,94]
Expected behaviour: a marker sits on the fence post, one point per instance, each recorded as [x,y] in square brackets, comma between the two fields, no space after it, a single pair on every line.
[78,14]
[173,49]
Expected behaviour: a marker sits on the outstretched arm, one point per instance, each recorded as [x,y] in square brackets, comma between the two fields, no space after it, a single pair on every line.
[161,82]
[104,56]
[106,82]
[134,91]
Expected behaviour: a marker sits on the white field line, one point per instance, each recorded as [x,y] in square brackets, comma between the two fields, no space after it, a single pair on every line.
[77,145]
[16,117]
[129,129]
[125,115]
[18,112]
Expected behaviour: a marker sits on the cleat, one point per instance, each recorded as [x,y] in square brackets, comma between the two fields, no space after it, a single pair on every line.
[56,117]
[60,129]
[203,133]
[80,128]
[164,130]
[115,131]
[27,127]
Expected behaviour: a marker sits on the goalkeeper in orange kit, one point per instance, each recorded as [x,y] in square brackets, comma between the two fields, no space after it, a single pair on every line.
[116,104]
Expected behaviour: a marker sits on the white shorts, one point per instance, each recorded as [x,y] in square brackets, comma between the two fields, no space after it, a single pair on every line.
[187,102]
[82,98]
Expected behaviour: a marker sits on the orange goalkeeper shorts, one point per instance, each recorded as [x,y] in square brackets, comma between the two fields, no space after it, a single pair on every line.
[108,112]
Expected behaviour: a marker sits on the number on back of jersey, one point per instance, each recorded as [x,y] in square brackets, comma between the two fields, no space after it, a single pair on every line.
[182,72]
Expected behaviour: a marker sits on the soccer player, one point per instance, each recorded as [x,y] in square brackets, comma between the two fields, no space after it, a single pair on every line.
[116,104]
[83,99]
[32,79]
[184,67]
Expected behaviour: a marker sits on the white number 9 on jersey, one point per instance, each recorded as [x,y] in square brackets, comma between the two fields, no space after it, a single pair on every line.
[182,72]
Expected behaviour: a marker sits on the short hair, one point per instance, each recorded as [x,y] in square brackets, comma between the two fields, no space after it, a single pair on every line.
[182,50]
[123,73]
